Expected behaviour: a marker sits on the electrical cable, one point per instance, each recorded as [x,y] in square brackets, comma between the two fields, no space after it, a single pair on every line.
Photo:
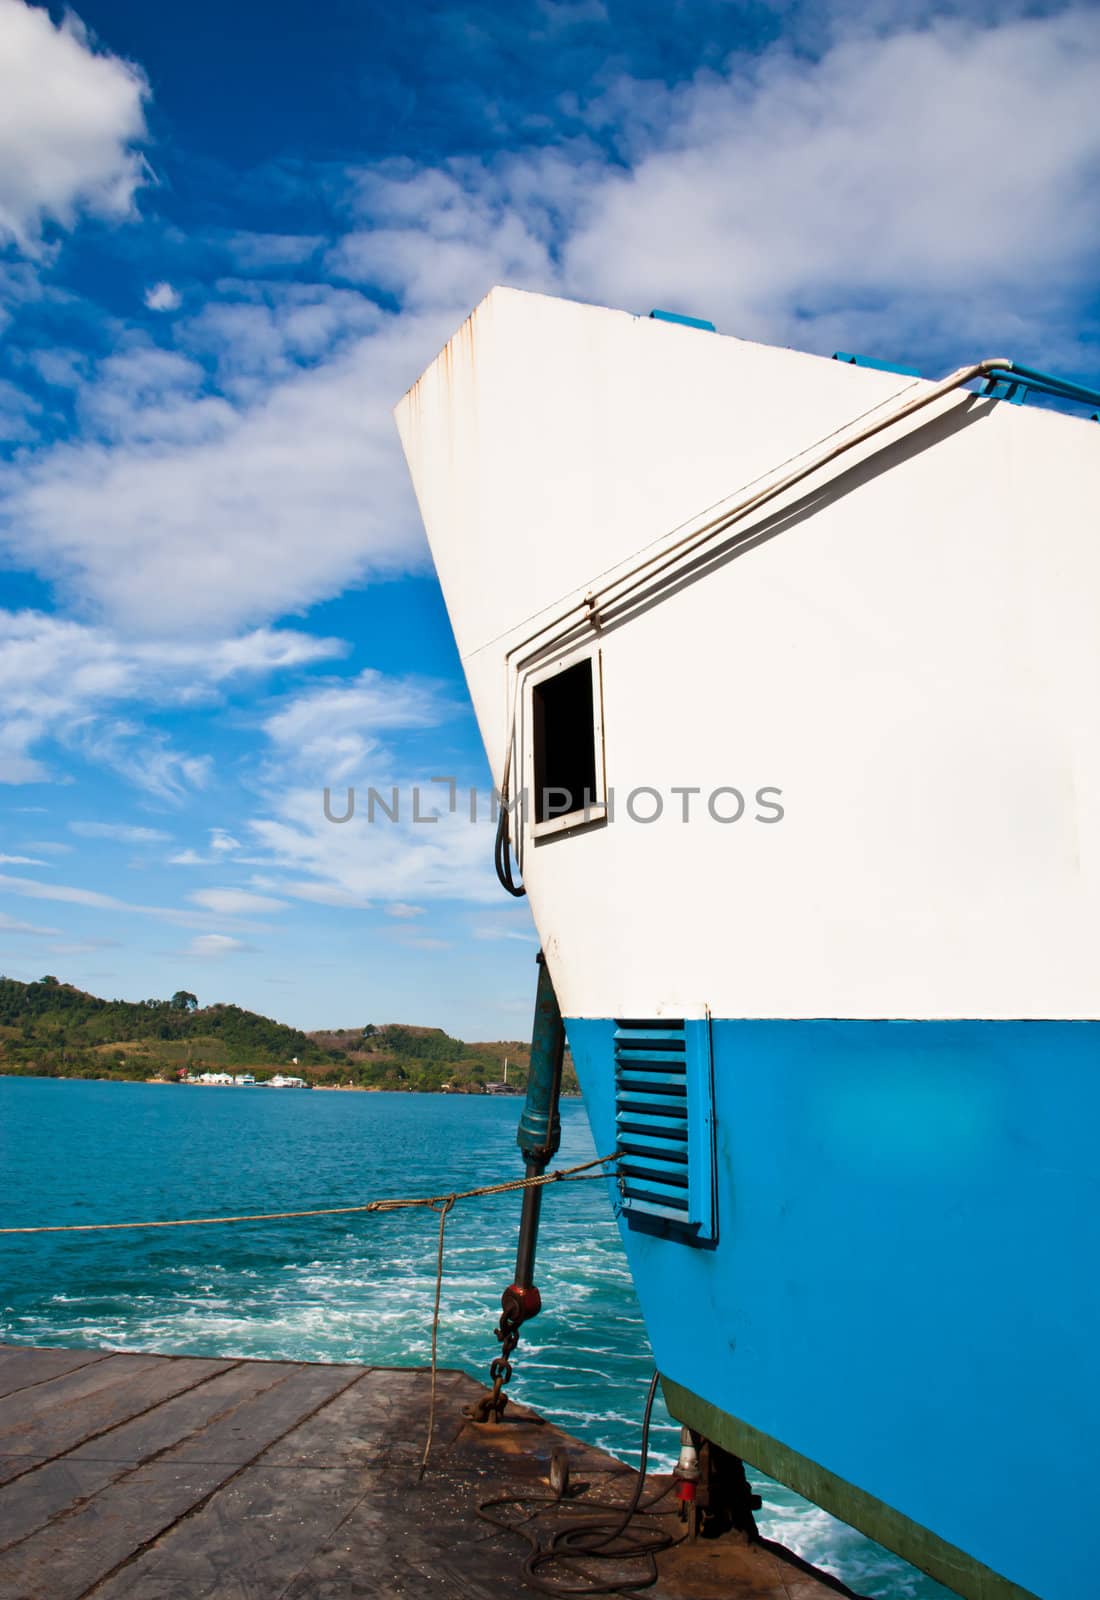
[502,851]
[592,1538]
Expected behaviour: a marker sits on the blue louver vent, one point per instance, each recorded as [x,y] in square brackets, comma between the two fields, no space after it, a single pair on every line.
[664,1123]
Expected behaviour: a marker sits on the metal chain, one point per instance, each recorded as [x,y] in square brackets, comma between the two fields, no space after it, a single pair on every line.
[491,1406]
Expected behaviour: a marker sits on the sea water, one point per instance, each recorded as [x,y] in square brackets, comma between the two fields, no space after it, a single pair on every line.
[356,1288]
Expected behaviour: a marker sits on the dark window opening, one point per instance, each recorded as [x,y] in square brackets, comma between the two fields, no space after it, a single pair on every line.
[564,743]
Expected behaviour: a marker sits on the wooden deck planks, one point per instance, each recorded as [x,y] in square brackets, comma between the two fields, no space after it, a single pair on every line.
[129,1386]
[181,1478]
[82,1544]
[381,1419]
[53,1487]
[34,1400]
[249,1541]
[16,1372]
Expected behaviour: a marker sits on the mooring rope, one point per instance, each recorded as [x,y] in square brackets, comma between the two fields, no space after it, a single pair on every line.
[432,1202]
[444,1208]
[443,1203]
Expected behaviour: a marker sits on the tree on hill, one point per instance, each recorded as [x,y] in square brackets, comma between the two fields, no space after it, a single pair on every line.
[182,1000]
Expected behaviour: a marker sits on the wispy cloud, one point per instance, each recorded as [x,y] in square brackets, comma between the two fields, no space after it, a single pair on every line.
[214,946]
[221,848]
[80,947]
[122,833]
[359,863]
[94,899]
[494,931]
[33,930]
[62,681]
[330,729]
[236,902]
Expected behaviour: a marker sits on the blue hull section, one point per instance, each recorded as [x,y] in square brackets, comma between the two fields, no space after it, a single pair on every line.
[903,1283]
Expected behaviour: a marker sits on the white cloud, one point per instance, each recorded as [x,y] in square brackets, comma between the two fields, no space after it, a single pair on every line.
[320,893]
[11,925]
[70,894]
[239,510]
[332,728]
[906,186]
[870,193]
[260,252]
[494,931]
[236,902]
[64,681]
[563,14]
[72,116]
[440,238]
[142,394]
[211,946]
[222,845]
[22,861]
[357,863]
[78,947]
[163,297]
[143,756]
[256,333]
[121,832]
[18,414]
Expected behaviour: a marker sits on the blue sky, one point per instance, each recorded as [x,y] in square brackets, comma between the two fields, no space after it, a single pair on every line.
[232,235]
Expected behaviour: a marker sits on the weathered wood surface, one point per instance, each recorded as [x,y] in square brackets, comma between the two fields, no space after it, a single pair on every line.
[134,1477]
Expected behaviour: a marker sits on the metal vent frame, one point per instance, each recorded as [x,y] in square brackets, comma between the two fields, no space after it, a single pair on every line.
[664,1122]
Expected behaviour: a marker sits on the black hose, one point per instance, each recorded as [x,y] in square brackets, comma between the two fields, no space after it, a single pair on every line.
[593,1538]
[502,850]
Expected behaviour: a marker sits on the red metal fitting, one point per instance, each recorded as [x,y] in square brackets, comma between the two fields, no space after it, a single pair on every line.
[521,1304]
[685,1490]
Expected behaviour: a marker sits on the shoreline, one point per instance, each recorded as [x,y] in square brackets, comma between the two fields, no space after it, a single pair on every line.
[314,1088]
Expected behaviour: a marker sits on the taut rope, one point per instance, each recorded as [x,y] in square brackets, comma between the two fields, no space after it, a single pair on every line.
[432,1202]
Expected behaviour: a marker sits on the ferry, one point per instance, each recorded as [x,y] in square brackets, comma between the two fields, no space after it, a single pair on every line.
[788,673]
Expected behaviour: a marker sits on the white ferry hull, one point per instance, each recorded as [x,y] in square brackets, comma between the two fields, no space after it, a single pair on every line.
[841,859]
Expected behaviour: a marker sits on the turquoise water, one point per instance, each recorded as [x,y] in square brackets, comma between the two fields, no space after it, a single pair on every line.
[339,1288]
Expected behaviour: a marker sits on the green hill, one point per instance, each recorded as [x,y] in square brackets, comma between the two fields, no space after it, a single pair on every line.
[51,1029]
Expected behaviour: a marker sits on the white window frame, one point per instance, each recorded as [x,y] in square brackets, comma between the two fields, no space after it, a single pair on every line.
[597,811]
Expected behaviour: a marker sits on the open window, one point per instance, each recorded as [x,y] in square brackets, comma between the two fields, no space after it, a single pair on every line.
[565,770]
